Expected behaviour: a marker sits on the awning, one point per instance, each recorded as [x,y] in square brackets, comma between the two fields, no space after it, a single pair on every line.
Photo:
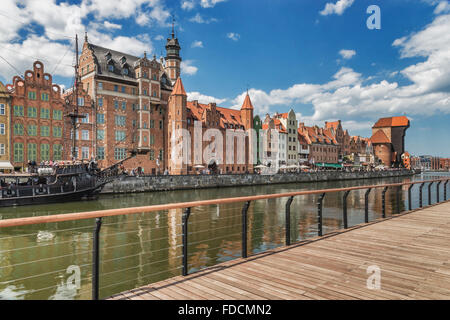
[330,165]
[6,165]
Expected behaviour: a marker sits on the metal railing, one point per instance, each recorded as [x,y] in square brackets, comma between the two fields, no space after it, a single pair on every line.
[247,200]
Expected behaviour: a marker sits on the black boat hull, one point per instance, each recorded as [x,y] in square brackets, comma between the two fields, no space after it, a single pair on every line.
[86,194]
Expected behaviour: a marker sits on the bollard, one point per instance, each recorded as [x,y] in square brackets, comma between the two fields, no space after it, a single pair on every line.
[319,211]
[244,229]
[186,215]
[344,208]
[383,202]
[288,221]
[366,206]
[96,259]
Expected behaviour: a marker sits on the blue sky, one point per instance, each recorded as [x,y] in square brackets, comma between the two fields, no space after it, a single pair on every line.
[317,57]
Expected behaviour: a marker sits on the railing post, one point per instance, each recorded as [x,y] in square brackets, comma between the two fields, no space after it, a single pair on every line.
[344,208]
[429,193]
[288,221]
[421,194]
[186,215]
[383,202]
[244,229]
[437,191]
[409,197]
[366,206]
[96,259]
[445,190]
[319,212]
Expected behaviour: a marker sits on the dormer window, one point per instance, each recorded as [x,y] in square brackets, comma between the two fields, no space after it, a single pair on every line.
[108,56]
[126,71]
[110,68]
[123,60]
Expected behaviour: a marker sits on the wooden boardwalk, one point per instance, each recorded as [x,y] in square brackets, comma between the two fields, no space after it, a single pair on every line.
[412,251]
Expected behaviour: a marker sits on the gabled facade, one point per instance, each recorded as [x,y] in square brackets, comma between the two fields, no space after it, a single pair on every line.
[36,118]
[289,121]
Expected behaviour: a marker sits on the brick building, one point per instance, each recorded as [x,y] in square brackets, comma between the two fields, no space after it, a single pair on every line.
[388,139]
[342,137]
[130,96]
[323,146]
[36,118]
[5,129]
[183,114]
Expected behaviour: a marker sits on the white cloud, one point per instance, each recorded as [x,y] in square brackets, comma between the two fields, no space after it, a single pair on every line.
[187,5]
[210,3]
[159,37]
[199,19]
[442,7]
[347,54]
[233,36]
[109,25]
[336,8]
[188,68]
[204,98]
[197,44]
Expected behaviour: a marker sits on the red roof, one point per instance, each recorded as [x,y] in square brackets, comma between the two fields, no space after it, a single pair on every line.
[333,125]
[227,116]
[380,137]
[247,105]
[178,89]
[401,121]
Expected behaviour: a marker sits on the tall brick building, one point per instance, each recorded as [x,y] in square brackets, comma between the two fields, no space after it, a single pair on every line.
[5,129]
[388,139]
[130,95]
[36,118]
[185,114]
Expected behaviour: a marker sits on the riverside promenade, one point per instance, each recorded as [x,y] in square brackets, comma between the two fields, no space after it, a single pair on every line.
[410,249]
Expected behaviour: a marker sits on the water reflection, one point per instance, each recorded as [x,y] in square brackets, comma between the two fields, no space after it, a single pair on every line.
[143,248]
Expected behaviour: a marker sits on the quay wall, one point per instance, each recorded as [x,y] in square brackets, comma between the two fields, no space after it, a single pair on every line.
[127,184]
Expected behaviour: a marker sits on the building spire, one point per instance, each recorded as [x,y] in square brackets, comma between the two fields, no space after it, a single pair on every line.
[85,36]
[173,27]
[178,89]
[247,105]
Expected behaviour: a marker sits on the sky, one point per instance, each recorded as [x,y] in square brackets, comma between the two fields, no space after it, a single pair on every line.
[317,57]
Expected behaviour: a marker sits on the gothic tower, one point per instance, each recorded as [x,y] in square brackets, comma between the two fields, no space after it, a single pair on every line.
[173,59]
[247,120]
[177,115]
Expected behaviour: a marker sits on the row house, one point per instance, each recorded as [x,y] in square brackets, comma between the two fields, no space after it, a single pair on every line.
[290,123]
[342,137]
[37,118]
[272,125]
[323,146]
[5,128]
[130,95]
[222,123]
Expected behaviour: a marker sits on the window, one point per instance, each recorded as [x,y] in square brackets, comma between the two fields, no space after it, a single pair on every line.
[81,102]
[85,152]
[75,152]
[152,139]
[152,124]
[18,152]
[120,135]
[160,124]
[145,125]
[32,130]
[32,112]
[44,97]
[57,114]
[116,88]
[84,134]
[57,152]
[45,113]
[45,131]
[111,68]
[125,71]
[134,123]
[18,129]
[18,111]
[119,153]
[120,121]
[57,132]
[152,154]
[123,89]
[2,149]
[2,128]
[154,93]
[100,102]
[116,104]
[161,155]
[45,152]
[101,153]
[100,86]
[100,134]
[145,92]
[2,109]
[86,118]
[124,105]
[100,118]
[32,95]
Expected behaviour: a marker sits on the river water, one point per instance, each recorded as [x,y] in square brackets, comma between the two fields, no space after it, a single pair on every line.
[54,261]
